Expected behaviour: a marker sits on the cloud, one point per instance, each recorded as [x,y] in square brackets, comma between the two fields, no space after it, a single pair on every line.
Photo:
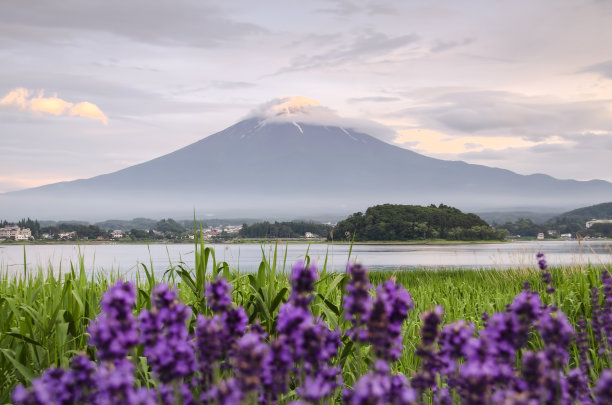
[362,49]
[499,113]
[577,156]
[441,46]
[165,22]
[308,111]
[380,99]
[604,69]
[23,100]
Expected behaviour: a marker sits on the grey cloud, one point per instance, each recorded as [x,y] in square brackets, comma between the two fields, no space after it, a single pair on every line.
[231,85]
[380,99]
[604,69]
[341,8]
[496,113]
[441,46]
[192,23]
[362,48]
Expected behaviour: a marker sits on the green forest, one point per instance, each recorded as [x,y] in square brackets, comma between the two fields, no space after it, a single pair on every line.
[293,229]
[573,222]
[389,222]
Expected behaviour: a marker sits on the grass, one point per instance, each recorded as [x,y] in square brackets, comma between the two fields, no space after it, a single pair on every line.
[44,313]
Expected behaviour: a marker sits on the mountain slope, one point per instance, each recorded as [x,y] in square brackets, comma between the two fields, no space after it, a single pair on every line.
[293,168]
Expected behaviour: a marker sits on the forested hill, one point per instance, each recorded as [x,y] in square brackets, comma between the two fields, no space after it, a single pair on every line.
[599,211]
[391,222]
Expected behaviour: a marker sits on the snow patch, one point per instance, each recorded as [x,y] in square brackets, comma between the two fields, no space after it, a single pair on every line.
[298,127]
[304,110]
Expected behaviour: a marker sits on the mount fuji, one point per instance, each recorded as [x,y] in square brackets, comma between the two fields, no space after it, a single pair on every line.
[294,158]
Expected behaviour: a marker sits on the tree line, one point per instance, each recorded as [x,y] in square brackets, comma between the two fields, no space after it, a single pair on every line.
[293,229]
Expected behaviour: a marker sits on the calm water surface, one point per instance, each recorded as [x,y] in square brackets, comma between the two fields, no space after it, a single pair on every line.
[126,258]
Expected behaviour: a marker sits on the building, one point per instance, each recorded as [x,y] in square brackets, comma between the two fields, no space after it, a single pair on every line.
[540,236]
[117,234]
[309,235]
[598,221]
[15,232]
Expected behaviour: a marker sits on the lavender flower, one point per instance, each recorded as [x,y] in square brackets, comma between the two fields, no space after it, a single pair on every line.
[320,385]
[557,333]
[358,302]
[164,333]
[249,359]
[603,388]
[453,339]
[276,368]
[218,295]
[114,332]
[210,343]
[227,392]
[385,319]
[302,280]
[546,276]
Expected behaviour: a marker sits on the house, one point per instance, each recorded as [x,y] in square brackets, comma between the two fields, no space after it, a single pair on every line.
[540,236]
[309,235]
[598,221]
[15,232]
[66,235]
[117,234]
[566,235]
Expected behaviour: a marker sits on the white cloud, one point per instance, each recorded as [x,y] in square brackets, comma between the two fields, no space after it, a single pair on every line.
[23,100]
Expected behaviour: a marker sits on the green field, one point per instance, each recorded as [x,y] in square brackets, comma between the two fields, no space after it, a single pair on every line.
[44,317]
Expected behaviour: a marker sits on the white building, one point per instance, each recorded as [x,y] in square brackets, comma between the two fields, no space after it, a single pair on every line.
[540,236]
[117,234]
[15,232]
[598,221]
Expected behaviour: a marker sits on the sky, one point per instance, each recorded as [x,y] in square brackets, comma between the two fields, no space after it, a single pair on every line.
[92,87]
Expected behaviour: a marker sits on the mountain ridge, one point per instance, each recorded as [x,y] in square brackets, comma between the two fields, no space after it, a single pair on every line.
[262,167]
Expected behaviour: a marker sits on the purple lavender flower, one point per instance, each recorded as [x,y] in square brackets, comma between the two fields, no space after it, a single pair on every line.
[210,343]
[227,392]
[249,360]
[385,319]
[114,332]
[503,331]
[276,368]
[320,385]
[234,322]
[603,388]
[431,363]
[431,322]
[219,295]
[557,333]
[546,276]
[55,386]
[168,348]
[453,339]
[358,302]
[302,280]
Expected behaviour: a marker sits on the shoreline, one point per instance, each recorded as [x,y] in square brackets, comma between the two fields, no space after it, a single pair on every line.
[290,242]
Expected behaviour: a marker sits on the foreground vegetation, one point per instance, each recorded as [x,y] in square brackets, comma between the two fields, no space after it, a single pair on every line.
[44,317]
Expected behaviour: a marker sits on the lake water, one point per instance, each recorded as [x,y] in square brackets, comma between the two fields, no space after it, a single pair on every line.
[125,258]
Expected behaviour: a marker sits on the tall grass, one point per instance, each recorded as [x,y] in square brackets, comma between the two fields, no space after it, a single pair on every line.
[44,314]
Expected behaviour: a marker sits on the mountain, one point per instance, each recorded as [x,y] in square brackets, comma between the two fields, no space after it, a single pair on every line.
[294,159]
[599,211]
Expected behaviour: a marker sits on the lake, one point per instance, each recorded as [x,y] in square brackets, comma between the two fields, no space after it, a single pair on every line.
[125,258]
